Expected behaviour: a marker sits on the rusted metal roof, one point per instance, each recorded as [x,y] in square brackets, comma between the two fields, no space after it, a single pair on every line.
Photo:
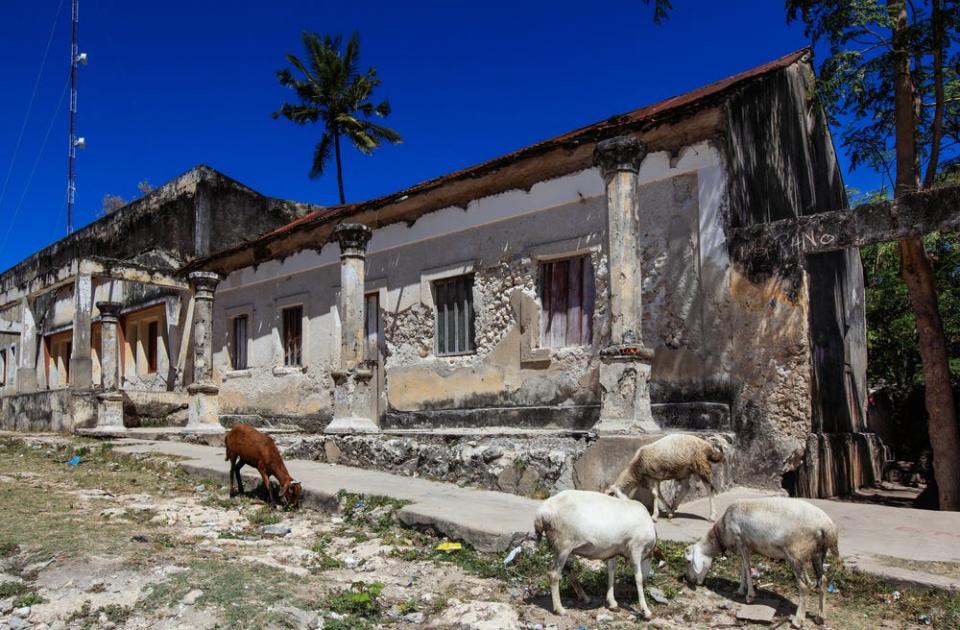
[644,117]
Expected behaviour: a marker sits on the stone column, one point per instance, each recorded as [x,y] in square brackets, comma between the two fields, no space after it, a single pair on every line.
[110,407]
[354,398]
[204,407]
[625,363]
[27,350]
[81,362]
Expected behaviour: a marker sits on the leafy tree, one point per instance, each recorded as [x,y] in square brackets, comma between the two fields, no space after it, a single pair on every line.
[332,91]
[891,326]
[891,78]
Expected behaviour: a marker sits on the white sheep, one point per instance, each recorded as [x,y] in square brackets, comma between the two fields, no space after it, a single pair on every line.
[593,525]
[678,456]
[776,527]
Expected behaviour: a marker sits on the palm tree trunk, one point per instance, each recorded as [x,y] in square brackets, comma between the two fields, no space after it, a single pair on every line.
[917,273]
[336,144]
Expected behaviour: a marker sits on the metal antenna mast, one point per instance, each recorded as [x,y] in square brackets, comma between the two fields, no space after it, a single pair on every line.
[76,58]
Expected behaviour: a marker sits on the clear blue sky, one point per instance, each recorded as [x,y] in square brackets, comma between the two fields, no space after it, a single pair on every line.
[173,84]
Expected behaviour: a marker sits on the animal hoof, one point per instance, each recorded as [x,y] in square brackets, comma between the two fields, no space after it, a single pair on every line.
[749,599]
[560,612]
[647,614]
[612,605]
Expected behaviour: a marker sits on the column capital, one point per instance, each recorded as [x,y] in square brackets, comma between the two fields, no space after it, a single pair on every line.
[353,239]
[622,153]
[109,311]
[204,283]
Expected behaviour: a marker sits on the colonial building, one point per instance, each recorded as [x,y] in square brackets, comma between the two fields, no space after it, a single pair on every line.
[582,290]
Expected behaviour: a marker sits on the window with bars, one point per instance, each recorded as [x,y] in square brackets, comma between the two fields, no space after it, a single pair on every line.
[371,327]
[239,359]
[567,299]
[454,328]
[292,335]
[3,367]
[153,346]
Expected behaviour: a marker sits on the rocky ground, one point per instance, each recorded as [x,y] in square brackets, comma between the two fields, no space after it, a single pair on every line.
[89,539]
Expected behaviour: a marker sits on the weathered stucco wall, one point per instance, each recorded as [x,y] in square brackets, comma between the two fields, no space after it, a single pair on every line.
[721,338]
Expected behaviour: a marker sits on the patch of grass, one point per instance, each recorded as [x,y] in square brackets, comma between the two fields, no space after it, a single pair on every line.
[215,501]
[264,516]
[242,592]
[11,589]
[408,606]
[528,568]
[7,549]
[324,561]
[88,618]
[375,511]
[860,598]
[28,599]
[359,600]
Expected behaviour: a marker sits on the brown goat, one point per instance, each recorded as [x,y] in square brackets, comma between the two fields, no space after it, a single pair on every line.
[246,445]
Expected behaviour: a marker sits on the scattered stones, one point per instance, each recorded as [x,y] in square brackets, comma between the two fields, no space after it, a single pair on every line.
[273,530]
[478,616]
[23,612]
[414,617]
[756,613]
[16,623]
[191,598]
[6,605]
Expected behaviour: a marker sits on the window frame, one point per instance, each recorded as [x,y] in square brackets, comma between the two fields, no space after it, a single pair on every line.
[469,315]
[236,348]
[284,357]
[545,295]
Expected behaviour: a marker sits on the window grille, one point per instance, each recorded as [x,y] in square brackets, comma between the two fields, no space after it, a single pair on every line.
[239,358]
[454,329]
[293,336]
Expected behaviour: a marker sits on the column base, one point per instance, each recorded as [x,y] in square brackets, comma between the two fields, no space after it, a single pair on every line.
[354,402]
[203,412]
[625,391]
[110,412]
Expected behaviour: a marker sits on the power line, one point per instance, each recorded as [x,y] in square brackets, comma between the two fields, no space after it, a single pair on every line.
[36,163]
[33,96]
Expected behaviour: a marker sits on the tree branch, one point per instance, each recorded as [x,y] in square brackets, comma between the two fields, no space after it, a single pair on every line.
[938,28]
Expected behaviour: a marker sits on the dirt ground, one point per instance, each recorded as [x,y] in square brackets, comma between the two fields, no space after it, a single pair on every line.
[118,542]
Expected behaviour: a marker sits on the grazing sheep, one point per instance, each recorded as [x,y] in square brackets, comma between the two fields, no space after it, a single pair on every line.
[593,525]
[677,456]
[776,527]
[246,445]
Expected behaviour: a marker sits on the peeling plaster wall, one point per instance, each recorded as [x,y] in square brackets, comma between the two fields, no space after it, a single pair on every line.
[718,335]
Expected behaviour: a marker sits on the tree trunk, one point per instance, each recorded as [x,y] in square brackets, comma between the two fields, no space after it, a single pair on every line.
[917,273]
[336,144]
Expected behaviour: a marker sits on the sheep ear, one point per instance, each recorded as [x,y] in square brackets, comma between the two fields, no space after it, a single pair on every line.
[697,559]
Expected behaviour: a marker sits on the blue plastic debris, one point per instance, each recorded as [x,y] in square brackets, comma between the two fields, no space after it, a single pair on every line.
[73,461]
[511,556]
[832,588]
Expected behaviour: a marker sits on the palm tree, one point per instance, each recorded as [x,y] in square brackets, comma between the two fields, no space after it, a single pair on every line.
[333,91]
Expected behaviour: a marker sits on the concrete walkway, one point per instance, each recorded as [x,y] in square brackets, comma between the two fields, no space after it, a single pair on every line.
[896,543]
